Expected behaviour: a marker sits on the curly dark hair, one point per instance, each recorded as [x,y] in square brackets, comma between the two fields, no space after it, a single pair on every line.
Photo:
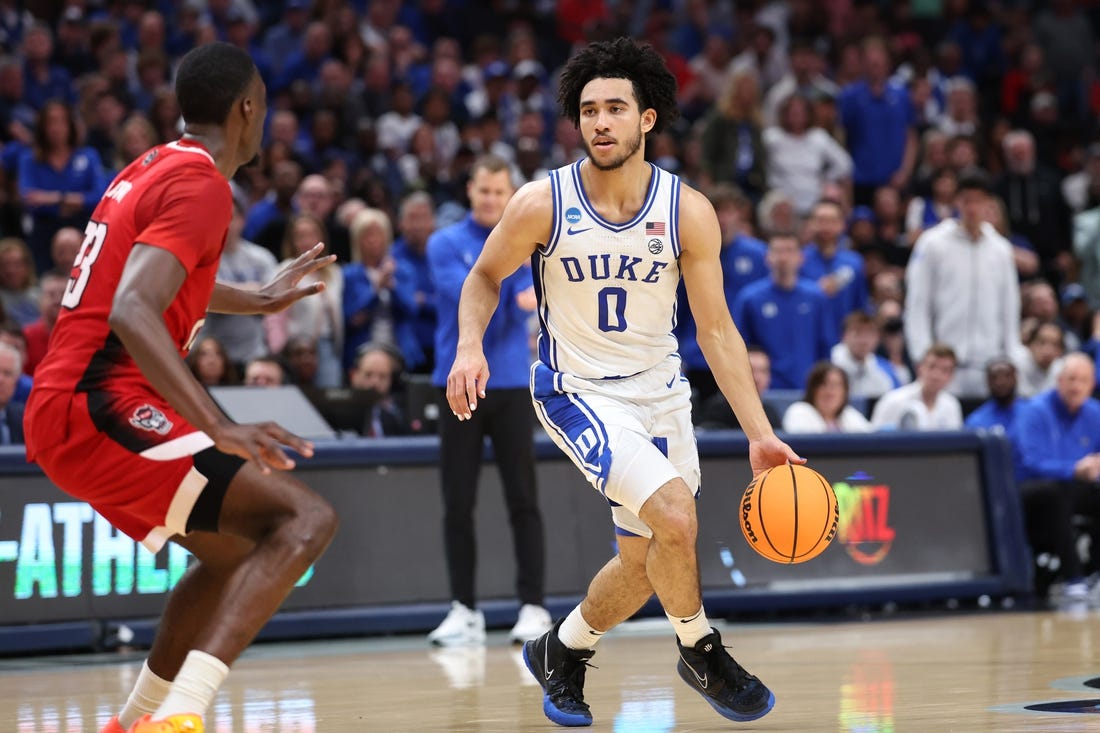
[623,58]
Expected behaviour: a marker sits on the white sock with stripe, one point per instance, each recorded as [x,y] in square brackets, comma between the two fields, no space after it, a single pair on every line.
[576,633]
[690,629]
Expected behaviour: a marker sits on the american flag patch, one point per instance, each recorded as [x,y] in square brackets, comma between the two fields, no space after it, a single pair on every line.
[655,229]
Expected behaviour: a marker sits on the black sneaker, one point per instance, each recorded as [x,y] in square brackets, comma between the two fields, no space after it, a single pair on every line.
[560,672]
[709,670]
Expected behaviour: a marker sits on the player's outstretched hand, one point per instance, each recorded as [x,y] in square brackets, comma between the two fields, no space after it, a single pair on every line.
[466,382]
[285,287]
[770,451]
[262,444]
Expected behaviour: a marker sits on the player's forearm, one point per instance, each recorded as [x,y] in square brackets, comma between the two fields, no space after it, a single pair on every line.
[235,301]
[728,359]
[479,300]
[144,336]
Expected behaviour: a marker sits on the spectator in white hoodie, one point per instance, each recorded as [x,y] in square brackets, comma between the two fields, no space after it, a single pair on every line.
[962,290]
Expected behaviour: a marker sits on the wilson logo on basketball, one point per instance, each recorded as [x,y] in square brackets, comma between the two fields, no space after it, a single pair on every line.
[865,529]
[746,508]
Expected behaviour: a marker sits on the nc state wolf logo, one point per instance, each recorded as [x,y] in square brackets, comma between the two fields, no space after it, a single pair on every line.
[148,417]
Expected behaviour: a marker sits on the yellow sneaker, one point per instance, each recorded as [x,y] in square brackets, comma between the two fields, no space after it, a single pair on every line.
[113,726]
[184,723]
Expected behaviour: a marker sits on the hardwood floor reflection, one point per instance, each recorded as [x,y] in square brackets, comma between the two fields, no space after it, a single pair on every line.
[959,672]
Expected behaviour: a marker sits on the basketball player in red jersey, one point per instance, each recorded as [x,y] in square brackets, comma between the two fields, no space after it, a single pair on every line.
[116,419]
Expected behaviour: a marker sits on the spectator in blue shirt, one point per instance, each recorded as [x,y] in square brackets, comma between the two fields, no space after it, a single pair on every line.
[838,272]
[276,206]
[743,259]
[305,64]
[60,182]
[184,31]
[285,37]
[787,316]
[43,80]
[980,40]
[416,221]
[1057,442]
[1003,407]
[878,120]
[504,414]
[379,292]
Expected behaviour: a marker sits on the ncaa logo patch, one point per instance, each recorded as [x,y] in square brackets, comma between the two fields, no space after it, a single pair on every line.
[150,418]
[573,215]
[656,246]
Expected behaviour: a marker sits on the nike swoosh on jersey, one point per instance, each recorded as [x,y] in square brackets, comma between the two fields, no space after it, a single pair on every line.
[571,231]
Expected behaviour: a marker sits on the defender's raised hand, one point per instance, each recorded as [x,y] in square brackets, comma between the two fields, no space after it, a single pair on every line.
[285,288]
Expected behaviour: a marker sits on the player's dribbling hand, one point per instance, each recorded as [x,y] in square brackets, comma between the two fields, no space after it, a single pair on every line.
[466,382]
[770,451]
[262,444]
[284,289]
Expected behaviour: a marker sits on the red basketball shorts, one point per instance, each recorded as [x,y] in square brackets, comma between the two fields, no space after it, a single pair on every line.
[129,455]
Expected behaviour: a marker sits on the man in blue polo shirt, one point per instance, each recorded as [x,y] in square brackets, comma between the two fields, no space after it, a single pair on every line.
[787,316]
[878,121]
[1003,407]
[1057,442]
[504,413]
[838,272]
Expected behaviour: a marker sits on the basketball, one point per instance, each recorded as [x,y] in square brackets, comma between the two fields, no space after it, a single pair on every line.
[789,514]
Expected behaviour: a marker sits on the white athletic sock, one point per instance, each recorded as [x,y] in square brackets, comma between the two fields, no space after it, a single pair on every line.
[149,692]
[576,633]
[690,629]
[195,686]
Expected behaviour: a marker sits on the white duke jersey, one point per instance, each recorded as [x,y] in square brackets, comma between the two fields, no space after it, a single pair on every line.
[606,291]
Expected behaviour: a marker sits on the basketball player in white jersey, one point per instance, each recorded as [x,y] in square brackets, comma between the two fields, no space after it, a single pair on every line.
[609,238]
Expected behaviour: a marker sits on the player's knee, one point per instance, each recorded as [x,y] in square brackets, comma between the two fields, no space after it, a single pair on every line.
[675,525]
[670,513]
[322,523]
[310,529]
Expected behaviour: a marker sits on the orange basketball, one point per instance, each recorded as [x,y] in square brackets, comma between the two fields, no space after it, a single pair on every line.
[789,514]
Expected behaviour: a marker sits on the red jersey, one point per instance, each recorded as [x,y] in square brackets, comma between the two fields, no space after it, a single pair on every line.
[172,197]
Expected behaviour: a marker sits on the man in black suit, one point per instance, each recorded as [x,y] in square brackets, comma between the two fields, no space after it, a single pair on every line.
[378,368]
[11,413]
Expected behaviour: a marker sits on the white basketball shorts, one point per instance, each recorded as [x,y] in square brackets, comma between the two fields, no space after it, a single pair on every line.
[629,436]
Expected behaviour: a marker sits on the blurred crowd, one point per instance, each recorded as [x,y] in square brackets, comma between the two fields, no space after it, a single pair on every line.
[908,192]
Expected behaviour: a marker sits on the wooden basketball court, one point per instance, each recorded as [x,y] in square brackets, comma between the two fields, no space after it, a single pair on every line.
[958,672]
